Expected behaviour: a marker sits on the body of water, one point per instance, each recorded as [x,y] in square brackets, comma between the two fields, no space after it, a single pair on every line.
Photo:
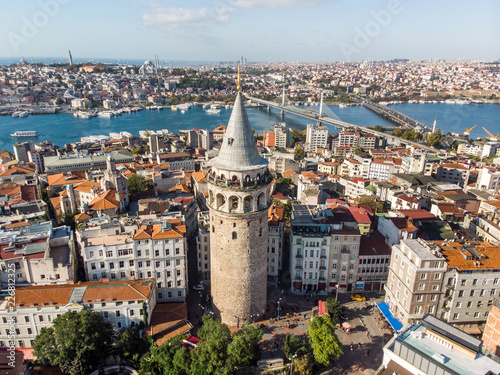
[65,128]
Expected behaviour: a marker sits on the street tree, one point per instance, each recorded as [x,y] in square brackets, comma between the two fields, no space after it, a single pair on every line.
[132,346]
[77,342]
[334,309]
[435,139]
[375,205]
[324,342]
[244,347]
[137,183]
[299,153]
[294,344]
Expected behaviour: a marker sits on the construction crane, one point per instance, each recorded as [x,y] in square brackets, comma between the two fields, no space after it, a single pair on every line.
[492,137]
[467,131]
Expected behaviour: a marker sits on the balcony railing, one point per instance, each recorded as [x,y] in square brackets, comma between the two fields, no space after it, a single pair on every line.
[241,185]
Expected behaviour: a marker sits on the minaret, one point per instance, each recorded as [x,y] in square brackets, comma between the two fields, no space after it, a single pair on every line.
[239,197]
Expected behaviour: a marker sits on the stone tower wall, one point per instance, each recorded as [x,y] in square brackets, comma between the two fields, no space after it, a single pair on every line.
[238,265]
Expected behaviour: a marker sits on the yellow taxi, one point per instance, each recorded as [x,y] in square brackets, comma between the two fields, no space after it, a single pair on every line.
[357,297]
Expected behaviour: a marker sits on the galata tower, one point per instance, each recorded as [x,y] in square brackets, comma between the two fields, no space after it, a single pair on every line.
[238,188]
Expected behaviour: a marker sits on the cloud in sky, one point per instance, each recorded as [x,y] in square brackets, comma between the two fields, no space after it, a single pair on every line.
[173,18]
[176,19]
[271,3]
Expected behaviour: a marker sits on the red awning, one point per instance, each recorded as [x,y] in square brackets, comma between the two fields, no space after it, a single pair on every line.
[297,284]
[321,285]
[333,285]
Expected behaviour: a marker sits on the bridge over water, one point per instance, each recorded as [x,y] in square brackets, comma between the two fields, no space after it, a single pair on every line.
[337,123]
[395,116]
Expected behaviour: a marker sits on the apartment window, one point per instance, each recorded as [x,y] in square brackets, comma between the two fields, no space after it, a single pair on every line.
[423,276]
[26,319]
[472,293]
[139,264]
[431,309]
[437,276]
[122,275]
[121,264]
[469,304]
[456,315]
[419,298]
[476,315]
[109,253]
[91,254]
[495,281]
[421,286]
[458,305]
[474,282]
[433,297]
[40,318]
[417,309]
[92,266]
[30,331]
[157,253]
[111,265]
[435,287]
[131,263]
[119,325]
[148,263]
[157,264]
[117,313]
[102,265]
[493,291]
[460,293]
[483,292]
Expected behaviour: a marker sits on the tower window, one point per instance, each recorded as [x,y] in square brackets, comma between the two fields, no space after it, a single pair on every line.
[213,229]
[260,232]
[234,225]
[235,235]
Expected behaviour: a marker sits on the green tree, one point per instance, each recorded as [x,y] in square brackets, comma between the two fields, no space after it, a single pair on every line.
[375,205]
[77,342]
[324,342]
[211,356]
[137,183]
[303,365]
[334,309]
[294,344]
[435,139]
[162,360]
[132,346]
[59,101]
[244,348]
[299,153]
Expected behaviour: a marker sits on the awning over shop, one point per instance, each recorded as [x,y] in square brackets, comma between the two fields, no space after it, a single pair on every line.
[395,323]
[297,284]
[321,285]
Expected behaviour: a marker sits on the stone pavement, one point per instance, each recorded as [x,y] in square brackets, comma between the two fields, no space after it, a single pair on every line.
[369,330]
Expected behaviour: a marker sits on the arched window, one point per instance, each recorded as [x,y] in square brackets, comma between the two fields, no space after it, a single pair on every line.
[213,229]
[234,202]
[235,235]
[247,203]
[261,200]
[221,201]
[260,232]
[234,178]
[234,225]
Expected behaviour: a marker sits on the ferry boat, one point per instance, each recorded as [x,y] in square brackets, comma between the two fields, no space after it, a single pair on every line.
[213,111]
[105,114]
[342,105]
[215,106]
[20,114]
[25,134]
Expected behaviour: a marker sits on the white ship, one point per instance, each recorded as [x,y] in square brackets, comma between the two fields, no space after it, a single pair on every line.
[20,114]
[25,134]
[215,106]
[105,114]
[342,105]
[213,111]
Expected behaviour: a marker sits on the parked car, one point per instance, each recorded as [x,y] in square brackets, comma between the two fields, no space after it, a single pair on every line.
[199,287]
[358,297]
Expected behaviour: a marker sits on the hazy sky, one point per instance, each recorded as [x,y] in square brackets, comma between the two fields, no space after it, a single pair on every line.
[259,30]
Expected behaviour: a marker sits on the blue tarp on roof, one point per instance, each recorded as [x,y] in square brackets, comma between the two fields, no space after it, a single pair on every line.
[395,323]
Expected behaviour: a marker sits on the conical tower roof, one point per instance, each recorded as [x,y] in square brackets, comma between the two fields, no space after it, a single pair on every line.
[238,150]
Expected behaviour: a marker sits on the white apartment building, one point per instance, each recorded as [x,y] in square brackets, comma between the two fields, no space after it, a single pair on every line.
[41,254]
[323,252]
[282,135]
[120,303]
[471,283]
[381,168]
[489,178]
[416,163]
[121,251]
[203,246]
[414,282]
[316,137]
[453,173]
